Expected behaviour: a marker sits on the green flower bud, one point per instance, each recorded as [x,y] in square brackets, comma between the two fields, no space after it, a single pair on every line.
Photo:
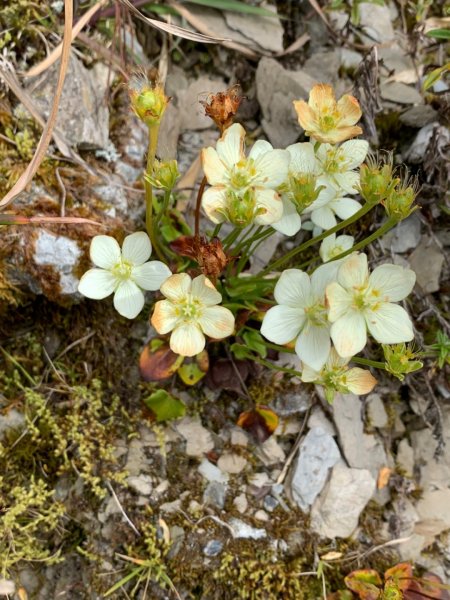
[165,174]
[401,360]
[147,101]
[399,202]
[301,189]
[241,208]
[377,179]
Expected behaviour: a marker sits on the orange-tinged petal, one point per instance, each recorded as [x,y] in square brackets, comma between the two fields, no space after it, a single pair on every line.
[322,96]
[306,116]
[359,381]
[337,135]
[349,110]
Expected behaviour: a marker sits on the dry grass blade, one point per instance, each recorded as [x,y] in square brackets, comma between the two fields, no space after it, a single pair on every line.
[173,29]
[56,53]
[46,136]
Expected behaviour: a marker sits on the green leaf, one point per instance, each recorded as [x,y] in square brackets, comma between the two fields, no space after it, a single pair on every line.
[440,34]
[240,351]
[165,407]
[235,6]
[254,341]
[434,76]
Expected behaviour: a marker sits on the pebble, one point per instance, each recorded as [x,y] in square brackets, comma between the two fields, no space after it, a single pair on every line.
[261,515]
[61,253]
[213,548]
[231,463]
[427,261]
[142,484]
[270,503]
[215,494]
[241,503]
[375,411]
[199,440]
[211,472]
[238,438]
[243,530]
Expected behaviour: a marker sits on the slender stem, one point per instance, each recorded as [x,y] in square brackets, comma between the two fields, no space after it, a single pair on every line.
[287,257]
[267,363]
[216,231]
[164,207]
[367,362]
[242,241]
[201,189]
[231,237]
[246,255]
[151,153]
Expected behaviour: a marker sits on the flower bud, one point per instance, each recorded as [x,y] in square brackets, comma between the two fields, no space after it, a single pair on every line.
[399,202]
[165,174]
[241,208]
[377,179]
[302,190]
[401,360]
[148,101]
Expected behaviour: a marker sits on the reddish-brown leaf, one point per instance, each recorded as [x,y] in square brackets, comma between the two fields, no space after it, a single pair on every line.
[222,375]
[366,583]
[260,422]
[155,365]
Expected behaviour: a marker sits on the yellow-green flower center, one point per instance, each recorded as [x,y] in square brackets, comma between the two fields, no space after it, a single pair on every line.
[335,161]
[189,309]
[242,174]
[122,270]
[317,315]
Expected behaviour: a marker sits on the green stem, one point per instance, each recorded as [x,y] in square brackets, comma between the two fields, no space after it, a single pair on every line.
[216,231]
[287,257]
[151,153]
[270,365]
[251,250]
[231,237]
[368,363]
[164,207]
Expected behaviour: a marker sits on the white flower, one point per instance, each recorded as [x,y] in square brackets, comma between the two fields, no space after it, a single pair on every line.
[332,246]
[329,204]
[301,314]
[123,272]
[191,312]
[337,164]
[243,189]
[336,376]
[358,302]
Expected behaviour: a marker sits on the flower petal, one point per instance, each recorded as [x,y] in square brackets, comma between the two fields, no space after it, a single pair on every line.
[293,289]
[338,135]
[355,151]
[347,181]
[214,203]
[214,169]
[230,147]
[323,217]
[394,282]
[350,111]
[128,299]
[177,287]
[390,324]
[104,251]
[97,284]
[354,272]
[151,275]
[339,301]
[306,116]
[270,201]
[359,381]
[313,346]
[136,248]
[217,322]
[349,333]
[164,317]
[303,159]
[187,340]
[282,324]
[322,277]
[259,148]
[345,207]
[203,290]
[290,223]
[309,374]
[272,168]
[321,97]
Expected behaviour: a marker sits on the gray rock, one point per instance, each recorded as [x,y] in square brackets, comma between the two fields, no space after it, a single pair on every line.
[243,530]
[400,93]
[319,419]
[265,33]
[434,514]
[215,494]
[416,152]
[419,116]
[169,132]
[325,63]
[12,419]
[376,22]
[113,194]
[276,89]
[213,548]
[427,261]
[270,503]
[406,235]
[375,411]
[211,472]
[230,462]
[336,512]
[83,114]
[405,457]
[395,59]
[318,453]
[136,459]
[199,440]
[291,403]
[241,503]
[142,484]
[61,253]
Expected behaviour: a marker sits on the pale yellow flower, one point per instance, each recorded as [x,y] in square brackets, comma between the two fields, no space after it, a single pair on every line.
[326,120]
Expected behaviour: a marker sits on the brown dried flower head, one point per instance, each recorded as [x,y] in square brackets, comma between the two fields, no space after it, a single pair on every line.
[210,256]
[223,106]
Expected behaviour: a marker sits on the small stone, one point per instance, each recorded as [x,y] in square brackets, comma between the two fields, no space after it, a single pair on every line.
[376,412]
[213,548]
[406,235]
[238,438]
[325,63]
[318,452]
[318,418]
[241,503]
[336,512]
[142,484]
[199,440]
[171,507]
[215,494]
[376,22]
[417,150]
[7,587]
[270,452]
[419,116]
[434,514]
[243,530]
[231,463]
[270,503]
[265,32]
[427,261]
[136,460]
[405,457]
[261,515]
[211,472]
[350,58]
[400,93]
[61,253]
[13,419]
[260,480]
[291,403]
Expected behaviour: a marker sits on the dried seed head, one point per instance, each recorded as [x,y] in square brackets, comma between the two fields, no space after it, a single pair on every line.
[223,106]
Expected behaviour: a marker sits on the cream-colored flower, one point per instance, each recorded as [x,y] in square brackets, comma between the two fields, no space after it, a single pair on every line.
[337,164]
[330,204]
[326,120]
[359,302]
[123,272]
[337,376]
[332,246]
[243,188]
[191,312]
[301,314]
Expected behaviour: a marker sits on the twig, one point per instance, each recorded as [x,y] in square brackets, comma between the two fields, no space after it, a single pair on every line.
[75,343]
[124,514]
[63,192]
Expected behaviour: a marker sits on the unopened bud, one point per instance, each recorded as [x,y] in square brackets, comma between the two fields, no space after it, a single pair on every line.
[377,179]
[165,174]
[148,101]
[241,208]
[399,202]
[401,360]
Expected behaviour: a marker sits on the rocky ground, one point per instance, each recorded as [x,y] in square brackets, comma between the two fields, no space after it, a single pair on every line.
[197,508]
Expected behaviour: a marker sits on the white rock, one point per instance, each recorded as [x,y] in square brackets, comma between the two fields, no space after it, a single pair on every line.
[418,148]
[405,457]
[13,419]
[318,452]
[336,512]
[318,418]
[265,32]
[400,93]
[434,513]
[211,472]
[142,484]
[243,530]
[406,235]
[7,587]
[199,440]
[241,503]
[270,452]
[260,480]
[62,254]
[376,22]
[136,459]
[231,463]
[261,515]
[376,412]
[427,261]
[238,438]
